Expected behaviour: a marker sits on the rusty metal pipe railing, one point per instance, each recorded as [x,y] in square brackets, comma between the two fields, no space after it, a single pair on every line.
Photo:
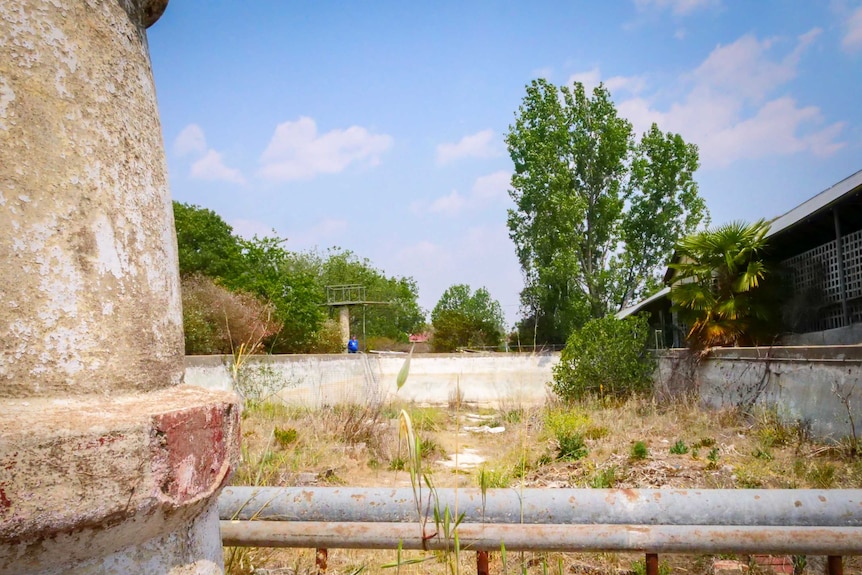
[778,507]
[654,539]
[650,521]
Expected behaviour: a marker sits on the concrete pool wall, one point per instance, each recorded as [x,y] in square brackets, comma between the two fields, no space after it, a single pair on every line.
[315,380]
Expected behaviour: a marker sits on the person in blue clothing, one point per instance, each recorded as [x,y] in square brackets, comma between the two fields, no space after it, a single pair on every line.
[352,345]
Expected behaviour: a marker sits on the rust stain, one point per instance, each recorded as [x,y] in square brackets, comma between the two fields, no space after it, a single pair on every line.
[358,496]
[630,494]
[4,501]
[797,503]
[821,498]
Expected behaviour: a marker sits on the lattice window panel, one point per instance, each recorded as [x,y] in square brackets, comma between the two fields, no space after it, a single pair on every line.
[852,248]
[816,267]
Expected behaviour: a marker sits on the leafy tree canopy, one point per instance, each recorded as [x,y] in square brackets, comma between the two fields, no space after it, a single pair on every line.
[606,357]
[291,285]
[399,313]
[718,287]
[597,211]
[465,319]
[205,242]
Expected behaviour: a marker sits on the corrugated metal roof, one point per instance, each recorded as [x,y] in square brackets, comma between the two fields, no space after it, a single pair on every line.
[821,201]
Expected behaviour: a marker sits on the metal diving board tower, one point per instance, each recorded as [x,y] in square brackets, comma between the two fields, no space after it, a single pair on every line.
[343,297]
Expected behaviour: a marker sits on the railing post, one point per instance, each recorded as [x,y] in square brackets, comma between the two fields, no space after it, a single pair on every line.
[320,560]
[652,564]
[835,565]
[481,563]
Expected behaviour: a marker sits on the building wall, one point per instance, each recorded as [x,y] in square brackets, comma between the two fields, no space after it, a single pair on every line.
[315,380]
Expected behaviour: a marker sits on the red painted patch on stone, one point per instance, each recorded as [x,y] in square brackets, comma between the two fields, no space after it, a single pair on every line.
[5,504]
[193,449]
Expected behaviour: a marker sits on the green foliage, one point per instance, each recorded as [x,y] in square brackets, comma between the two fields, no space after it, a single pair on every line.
[718,288]
[463,318]
[205,243]
[571,447]
[397,319]
[639,451]
[679,448]
[605,478]
[713,458]
[639,568]
[822,475]
[290,284]
[285,437]
[606,357]
[597,211]
[493,478]
[564,421]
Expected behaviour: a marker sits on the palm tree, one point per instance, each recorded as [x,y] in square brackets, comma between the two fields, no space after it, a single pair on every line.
[715,287]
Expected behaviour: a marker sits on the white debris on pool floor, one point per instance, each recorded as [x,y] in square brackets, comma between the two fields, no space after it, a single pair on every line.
[485,429]
[464,460]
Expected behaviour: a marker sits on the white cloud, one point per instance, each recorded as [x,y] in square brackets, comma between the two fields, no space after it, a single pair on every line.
[734,108]
[590,79]
[451,204]
[326,232]
[853,38]
[211,167]
[544,72]
[478,145]
[679,7]
[490,189]
[615,84]
[208,164]
[481,256]
[493,187]
[297,152]
[190,140]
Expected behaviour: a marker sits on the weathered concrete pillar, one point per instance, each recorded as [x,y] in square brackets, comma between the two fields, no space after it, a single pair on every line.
[107,463]
[344,324]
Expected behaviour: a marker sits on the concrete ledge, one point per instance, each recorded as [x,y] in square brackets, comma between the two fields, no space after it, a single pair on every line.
[86,477]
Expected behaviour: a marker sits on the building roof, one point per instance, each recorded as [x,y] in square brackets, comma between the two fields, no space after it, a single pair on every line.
[623,313]
[819,203]
[813,213]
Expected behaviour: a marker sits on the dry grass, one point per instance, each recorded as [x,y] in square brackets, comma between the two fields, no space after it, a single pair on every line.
[358,446]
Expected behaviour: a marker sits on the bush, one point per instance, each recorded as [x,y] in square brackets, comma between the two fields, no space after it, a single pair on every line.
[328,338]
[608,356]
[217,320]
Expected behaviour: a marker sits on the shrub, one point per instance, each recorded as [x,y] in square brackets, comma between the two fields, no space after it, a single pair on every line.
[284,437]
[679,448]
[328,338]
[217,320]
[608,356]
[639,450]
[572,447]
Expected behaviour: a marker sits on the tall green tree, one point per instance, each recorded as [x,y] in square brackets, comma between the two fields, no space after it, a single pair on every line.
[597,211]
[717,288]
[398,314]
[206,243]
[463,318]
[290,282]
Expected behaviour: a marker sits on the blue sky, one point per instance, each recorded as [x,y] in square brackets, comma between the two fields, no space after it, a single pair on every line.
[378,126]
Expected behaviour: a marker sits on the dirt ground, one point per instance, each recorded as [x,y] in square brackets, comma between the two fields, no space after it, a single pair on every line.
[633,444]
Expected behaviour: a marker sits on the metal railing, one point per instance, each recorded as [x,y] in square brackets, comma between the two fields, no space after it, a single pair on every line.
[650,521]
